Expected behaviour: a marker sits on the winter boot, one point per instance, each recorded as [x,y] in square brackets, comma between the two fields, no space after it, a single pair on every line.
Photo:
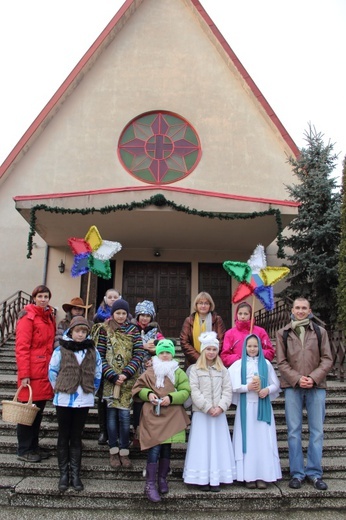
[114,460]
[150,486]
[102,413]
[63,460]
[124,459]
[75,464]
[162,476]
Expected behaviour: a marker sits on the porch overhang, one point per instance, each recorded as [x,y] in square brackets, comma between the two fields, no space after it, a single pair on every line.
[165,218]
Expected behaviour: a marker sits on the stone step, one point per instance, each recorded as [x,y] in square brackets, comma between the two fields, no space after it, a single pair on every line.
[30,490]
[332,430]
[334,451]
[118,497]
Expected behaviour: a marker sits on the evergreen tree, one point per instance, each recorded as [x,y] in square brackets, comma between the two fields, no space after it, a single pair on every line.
[342,257]
[315,234]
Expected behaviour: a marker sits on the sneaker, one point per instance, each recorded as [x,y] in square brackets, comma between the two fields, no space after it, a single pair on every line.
[295,483]
[103,439]
[250,485]
[43,453]
[318,483]
[29,457]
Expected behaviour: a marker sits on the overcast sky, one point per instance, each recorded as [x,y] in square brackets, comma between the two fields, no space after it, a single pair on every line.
[294,50]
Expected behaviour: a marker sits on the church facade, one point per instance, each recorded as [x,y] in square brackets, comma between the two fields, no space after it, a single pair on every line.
[160,139]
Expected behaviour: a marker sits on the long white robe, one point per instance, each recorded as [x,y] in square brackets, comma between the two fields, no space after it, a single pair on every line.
[261,460]
[209,456]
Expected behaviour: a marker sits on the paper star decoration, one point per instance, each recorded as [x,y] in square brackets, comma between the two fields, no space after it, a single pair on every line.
[255,277]
[93,254]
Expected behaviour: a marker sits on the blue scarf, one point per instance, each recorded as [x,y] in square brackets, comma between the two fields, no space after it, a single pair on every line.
[264,406]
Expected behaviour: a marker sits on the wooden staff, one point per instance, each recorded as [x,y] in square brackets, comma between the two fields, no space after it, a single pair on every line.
[252,314]
[87,295]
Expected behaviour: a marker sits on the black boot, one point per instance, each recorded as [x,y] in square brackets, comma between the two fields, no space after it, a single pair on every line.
[102,413]
[63,460]
[75,465]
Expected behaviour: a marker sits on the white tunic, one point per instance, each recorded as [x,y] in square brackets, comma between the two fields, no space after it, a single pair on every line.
[261,460]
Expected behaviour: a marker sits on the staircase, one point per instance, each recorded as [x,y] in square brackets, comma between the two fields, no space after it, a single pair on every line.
[29,491]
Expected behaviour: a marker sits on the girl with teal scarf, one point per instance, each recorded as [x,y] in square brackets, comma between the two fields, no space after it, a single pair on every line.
[255,384]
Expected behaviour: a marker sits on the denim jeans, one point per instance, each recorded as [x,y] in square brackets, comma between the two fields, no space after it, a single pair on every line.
[314,401]
[160,451]
[118,427]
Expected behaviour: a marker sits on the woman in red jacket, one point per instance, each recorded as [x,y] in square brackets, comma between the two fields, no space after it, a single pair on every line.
[35,334]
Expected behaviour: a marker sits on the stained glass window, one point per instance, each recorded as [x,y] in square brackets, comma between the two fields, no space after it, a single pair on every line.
[159,148]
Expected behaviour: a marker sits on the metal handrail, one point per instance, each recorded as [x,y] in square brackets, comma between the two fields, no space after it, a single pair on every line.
[9,311]
[274,320]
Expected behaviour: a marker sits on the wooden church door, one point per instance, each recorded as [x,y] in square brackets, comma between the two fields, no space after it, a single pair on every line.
[164,283]
[214,280]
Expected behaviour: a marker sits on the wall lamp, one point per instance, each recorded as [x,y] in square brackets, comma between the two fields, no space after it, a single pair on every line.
[61,267]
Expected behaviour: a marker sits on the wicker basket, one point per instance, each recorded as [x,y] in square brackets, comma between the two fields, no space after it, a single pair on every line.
[19,413]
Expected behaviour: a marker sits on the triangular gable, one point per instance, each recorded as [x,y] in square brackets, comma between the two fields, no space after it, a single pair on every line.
[115,25]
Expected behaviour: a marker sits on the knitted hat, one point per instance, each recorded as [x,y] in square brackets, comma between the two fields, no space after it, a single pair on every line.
[79,320]
[145,307]
[165,345]
[208,339]
[75,302]
[120,304]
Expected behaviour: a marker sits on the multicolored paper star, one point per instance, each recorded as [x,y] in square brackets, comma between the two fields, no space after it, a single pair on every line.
[93,254]
[255,277]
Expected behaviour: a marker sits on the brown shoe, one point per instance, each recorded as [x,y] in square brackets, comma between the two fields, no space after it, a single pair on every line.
[250,485]
[261,484]
[114,460]
[125,462]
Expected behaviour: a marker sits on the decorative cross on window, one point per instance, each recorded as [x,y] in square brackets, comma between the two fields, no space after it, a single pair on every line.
[159,148]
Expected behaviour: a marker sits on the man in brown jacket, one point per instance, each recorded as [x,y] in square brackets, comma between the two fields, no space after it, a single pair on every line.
[304,360]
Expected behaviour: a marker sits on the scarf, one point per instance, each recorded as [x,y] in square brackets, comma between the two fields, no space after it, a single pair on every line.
[264,406]
[200,326]
[164,369]
[243,326]
[298,327]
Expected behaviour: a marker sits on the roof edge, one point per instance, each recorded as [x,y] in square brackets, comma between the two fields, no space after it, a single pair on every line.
[21,198]
[63,88]
[247,78]
[24,140]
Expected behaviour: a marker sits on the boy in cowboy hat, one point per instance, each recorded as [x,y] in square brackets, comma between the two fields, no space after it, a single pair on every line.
[76,307]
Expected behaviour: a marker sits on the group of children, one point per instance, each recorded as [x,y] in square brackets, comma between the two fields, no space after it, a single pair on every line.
[138,369]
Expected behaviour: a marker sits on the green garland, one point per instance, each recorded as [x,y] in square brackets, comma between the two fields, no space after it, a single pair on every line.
[160,201]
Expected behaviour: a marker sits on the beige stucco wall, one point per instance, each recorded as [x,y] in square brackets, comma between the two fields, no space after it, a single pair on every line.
[16,271]
[161,59]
